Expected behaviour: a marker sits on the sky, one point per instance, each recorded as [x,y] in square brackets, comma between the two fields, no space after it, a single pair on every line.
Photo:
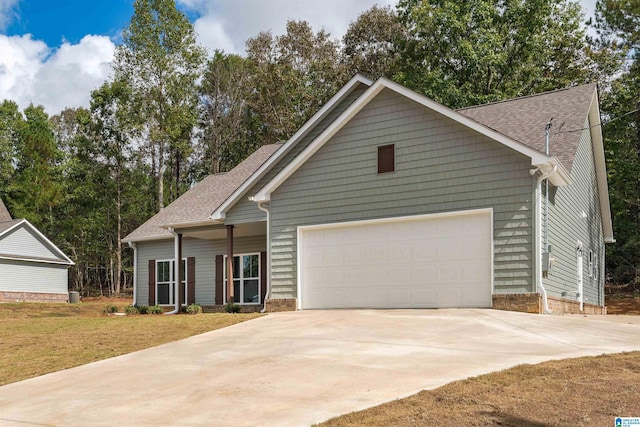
[55,52]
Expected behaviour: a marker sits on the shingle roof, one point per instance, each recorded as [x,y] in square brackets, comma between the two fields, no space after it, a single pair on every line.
[524,119]
[199,202]
[5,225]
[4,213]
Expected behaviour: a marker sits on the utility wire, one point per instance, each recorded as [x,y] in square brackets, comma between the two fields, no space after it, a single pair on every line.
[599,124]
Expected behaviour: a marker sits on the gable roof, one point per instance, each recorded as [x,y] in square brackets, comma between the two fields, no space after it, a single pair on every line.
[195,206]
[537,157]
[7,227]
[524,119]
[4,213]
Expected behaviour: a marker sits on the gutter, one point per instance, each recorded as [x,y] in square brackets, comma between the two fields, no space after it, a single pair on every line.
[268,278]
[135,271]
[538,243]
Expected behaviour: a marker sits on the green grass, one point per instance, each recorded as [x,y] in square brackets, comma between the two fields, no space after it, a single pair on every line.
[36,339]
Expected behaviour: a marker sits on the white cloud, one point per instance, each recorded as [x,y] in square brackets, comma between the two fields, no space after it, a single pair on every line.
[7,12]
[227,24]
[31,72]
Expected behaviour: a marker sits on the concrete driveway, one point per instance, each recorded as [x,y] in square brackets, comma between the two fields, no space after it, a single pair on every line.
[304,367]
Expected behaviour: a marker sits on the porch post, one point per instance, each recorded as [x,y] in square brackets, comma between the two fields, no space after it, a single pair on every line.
[180,270]
[230,295]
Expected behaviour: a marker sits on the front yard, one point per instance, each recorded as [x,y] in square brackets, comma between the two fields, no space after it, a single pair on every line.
[36,339]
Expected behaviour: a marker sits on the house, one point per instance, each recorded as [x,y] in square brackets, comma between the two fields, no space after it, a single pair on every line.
[32,268]
[387,199]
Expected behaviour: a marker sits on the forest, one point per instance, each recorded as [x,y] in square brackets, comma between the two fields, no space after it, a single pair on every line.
[171,113]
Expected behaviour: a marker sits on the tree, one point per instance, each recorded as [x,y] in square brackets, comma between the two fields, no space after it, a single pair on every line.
[619,28]
[11,122]
[35,191]
[462,53]
[371,43]
[161,62]
[224,111]
[293,76]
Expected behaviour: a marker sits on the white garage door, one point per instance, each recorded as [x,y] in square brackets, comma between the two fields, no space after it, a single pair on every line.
[429,261]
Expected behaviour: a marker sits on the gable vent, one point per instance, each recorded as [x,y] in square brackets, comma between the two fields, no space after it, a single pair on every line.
[386,158]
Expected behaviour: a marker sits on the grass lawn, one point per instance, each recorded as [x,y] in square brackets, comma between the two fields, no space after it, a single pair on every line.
[37,339]
[588,391]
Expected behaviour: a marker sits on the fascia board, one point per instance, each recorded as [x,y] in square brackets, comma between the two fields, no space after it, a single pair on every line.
[595,124]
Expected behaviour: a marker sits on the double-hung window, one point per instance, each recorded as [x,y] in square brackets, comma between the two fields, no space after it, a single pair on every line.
[246,279]
[165,282]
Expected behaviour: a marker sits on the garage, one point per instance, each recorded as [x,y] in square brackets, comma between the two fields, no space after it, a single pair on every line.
[426,261]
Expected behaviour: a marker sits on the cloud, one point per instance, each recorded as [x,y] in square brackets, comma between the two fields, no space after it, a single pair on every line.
[227,24]
[31,72]
[7,12]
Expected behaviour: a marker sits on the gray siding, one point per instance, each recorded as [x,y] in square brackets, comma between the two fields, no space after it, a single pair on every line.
[204,251]
[246,210]
[23,276]
[22,241]
[568,225]
[440,166]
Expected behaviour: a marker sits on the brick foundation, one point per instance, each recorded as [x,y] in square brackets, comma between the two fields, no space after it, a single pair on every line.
[6,296]
[525,303]
[274,305]
[532,303]
[565,306]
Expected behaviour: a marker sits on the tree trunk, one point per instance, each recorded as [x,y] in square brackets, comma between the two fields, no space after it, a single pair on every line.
[119,234]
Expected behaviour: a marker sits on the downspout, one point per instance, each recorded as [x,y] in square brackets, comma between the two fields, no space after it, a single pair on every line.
[579,274]
[135,271]
[176,251]
[268,278]
[538,239]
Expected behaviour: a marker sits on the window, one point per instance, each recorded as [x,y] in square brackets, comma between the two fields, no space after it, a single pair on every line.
[386,158]
[165,283]
[246,278]
[591,263]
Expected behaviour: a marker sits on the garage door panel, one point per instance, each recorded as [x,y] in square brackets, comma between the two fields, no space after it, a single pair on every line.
[436,261]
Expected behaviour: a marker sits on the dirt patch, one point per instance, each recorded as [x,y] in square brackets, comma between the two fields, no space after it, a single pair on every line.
[623,304]
[589,391]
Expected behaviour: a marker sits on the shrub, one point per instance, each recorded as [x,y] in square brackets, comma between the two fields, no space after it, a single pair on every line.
[194,309]
[156,309]
[110,309]
[232,307]
[130,310]
[143,309]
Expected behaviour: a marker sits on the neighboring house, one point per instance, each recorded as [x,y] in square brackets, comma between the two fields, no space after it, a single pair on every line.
[32,268]
[387,199]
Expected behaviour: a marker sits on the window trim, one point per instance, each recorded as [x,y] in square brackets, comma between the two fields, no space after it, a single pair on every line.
[171,282]
[242,278]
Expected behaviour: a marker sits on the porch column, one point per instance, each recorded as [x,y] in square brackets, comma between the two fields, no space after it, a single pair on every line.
[180,270]
[230,264]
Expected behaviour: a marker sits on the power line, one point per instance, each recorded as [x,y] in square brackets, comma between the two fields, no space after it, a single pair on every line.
[599,124]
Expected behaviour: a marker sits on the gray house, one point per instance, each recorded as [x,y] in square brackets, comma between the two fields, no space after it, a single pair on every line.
[387,199]
[32,268]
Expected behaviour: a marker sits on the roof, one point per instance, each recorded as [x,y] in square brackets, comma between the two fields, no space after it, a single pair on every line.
[524,119]
[197,204]
[4,213]
[7,227]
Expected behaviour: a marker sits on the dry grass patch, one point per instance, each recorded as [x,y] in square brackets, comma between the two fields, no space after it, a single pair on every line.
[37,339]
[588,391]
